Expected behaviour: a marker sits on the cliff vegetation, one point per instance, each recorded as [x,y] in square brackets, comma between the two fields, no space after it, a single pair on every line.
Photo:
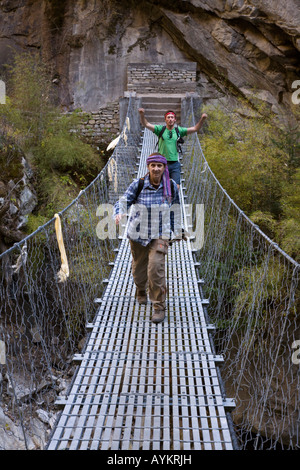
[40,151]
[258,164]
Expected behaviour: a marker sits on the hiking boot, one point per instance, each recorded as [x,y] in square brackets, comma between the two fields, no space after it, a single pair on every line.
[142,297]
[158,316]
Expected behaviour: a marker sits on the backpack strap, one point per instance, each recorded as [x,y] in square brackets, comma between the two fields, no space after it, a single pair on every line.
[172,188]
[139,188]
[161,132]
[160,135]
[179,140]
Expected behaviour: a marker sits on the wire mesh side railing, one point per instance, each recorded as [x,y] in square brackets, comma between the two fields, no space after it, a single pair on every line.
[252,286]
[253,290]
[48,298]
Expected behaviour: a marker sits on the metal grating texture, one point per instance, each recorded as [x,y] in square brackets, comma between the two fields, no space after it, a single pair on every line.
[141,386]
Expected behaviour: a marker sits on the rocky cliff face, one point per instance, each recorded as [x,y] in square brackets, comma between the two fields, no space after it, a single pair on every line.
[240,46]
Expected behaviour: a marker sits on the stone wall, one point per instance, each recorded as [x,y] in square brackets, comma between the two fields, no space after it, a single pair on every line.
[176,78]
[99,127]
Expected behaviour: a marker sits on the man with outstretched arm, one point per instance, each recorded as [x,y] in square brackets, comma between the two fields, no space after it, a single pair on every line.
[154,215]
[167,143]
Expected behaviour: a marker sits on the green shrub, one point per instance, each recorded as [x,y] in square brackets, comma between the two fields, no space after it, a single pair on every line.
[257,163]
[62,163]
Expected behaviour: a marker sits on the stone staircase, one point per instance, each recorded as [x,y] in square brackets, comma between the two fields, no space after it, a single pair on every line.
[161,87]
[156,105]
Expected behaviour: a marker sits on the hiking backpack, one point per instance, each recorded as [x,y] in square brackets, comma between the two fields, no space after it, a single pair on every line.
[179,142]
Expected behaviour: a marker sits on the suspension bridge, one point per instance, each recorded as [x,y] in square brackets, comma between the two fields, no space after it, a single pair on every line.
[142,386]
[218,373]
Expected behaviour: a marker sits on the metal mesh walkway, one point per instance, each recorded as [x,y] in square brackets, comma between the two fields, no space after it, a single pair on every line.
[141,385]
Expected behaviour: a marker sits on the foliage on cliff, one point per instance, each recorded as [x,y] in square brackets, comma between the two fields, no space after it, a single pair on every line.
[61,162]
[258,164]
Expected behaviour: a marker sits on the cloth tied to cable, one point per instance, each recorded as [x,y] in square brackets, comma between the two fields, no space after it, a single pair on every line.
[158,158]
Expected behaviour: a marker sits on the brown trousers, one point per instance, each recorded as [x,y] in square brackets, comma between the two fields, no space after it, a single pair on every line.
[148,270]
